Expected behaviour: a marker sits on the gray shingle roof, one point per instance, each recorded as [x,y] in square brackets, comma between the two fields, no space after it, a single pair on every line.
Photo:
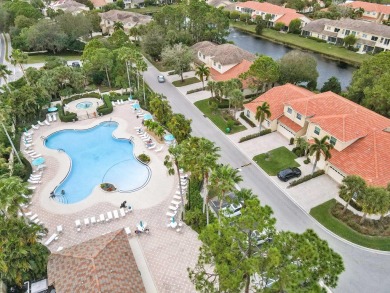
[126,17]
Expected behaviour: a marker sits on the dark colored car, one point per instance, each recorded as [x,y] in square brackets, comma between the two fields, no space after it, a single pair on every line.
[289,173]
[76,64]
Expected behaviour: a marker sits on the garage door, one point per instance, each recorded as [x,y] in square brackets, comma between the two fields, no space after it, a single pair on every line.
[285,131]
[335,174]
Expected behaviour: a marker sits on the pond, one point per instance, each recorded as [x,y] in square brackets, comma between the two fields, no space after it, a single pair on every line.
[326,67]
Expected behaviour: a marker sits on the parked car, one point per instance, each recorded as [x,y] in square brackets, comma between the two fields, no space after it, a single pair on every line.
[76,64]
[232,210]
[261,237]
[161,78]
[289,173]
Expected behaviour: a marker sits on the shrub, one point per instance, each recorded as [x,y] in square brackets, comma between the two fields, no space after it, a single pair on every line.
[299,152]
[194,91]
[107,107]
[171,72]
[307,161]
[67,116]
[230,123]
[22,170]
[251,136]
[292,139]
[247,120]
[144,158]
[306,178]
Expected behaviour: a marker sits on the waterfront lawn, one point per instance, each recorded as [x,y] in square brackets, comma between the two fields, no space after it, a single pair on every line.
[187,81]
[41,58]
[276,160]
[332,51]
[217,117]
[322,214]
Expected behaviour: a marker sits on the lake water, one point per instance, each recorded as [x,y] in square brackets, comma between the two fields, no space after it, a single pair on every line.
[326,67]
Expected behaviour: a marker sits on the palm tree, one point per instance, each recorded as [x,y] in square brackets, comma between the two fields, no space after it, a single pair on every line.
[262,112]
[172,162]
[223,180]
[301,143]
[352,186]
[318,148]
[127,55]
[118,26]
[135,32]
[159,131]
[237,100]
[218,90]
[4,72]
[203,72]
[141,67]
[369,201]
[12,190]
[382,202]
[211,85]
[19,57]
[200,156]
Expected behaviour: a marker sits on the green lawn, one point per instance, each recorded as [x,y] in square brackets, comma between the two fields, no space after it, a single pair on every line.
[41,58]
[149,9]
[329,50]
[157,64]
[276,160]
[187,81]
[322,214]
[216,118]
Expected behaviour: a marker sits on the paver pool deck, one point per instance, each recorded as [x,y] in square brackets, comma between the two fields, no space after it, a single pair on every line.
[166,254]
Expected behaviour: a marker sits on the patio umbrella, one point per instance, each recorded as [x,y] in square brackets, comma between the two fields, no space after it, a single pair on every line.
[172,219]
[38,161]
[130,97]
[136,106]
[52,109]
[148,117]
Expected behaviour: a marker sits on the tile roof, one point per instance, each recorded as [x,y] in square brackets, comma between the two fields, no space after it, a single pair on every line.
[103,264]
[226,54]
[288,17]
[369,7]
[276,97]
[265,7]
[126,17]
[233,72]
[339,116]
[290,124]
[63,4]
[98,3]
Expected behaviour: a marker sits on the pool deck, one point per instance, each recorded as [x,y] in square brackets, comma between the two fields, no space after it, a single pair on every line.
[163,255]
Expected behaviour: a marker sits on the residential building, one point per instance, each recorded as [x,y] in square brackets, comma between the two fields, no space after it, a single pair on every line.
[68,6]
[372,11]
[225,61]
[276,13]
[133,3]
[219,3]
[361,137]
[371,37]
[100,3]
[102,264]
[129,20]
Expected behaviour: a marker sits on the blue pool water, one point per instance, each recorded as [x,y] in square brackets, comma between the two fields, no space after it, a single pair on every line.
[97,157]
[84,105]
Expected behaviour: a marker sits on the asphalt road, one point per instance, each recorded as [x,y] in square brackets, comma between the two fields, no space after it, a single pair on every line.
[366,271]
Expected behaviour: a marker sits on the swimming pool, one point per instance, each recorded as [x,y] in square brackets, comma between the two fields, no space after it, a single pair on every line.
[97,157]
[84,105]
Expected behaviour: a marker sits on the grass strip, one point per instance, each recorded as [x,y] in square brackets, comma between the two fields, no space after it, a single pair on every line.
[187,81]
[41,58]
[328,50]
[276,160]
[216,118]
[322,214]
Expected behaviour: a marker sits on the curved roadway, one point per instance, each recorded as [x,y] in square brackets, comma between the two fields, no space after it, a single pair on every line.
[366,270]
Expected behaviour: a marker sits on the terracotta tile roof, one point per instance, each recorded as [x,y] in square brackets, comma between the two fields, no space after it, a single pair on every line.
[369,7]
[290,124]
[265,7]
[288,17]
[339,116]
[103,264]
[369,158]
[233,72]
[276,97]
[98,3]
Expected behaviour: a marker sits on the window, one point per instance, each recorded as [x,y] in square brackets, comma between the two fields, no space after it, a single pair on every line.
[387,41]
[299,116]
[358,46]
[248,113]
[215,63]
[353,33]
[317,130]
[336,30]
[328,28]
[347,32]
[333,140]
[199,54]
[373,38]
[219,66]
[364,35]
[289,110]
[204,56]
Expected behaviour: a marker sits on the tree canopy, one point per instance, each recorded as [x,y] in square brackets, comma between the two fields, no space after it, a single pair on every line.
[332,84]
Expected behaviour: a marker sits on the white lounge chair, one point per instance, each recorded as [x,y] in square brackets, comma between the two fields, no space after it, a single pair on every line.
[178,197]
[29,152]
[35,178]
[36,221]
[109,216]
[50,240]
[122,212]
[86,222]
[49,117]
[121,102]
[27,135]
[102,219]
[40,167]
[32,218]
[46,122]
[173,208]
[152,147]
[78,225]
[34,156]
[113,103]
[60,248]
[34,181]
[54,117]
[116,215]
[59,229]
[146,139]
[28,145]
[171,214]
[31,187]
[128,231]
[93,220]
[137,127]
[159,149]
[28,214]
[36,127]
[176,202]
[40,123]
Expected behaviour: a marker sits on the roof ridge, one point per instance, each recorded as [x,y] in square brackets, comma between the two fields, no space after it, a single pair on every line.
[375,154]
[115,234]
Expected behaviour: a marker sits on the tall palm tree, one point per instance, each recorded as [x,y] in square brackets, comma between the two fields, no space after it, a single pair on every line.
[18,58]
[126,55]
[318,148]
[200,156]
[369,201]
[211,85]
[118,26]
[11,195]
[262,112]
[351,186]
[135,32]
[203,72]
[141,68]
[236,99]
[173,163]
[218,90]
[4,72]
[223,180]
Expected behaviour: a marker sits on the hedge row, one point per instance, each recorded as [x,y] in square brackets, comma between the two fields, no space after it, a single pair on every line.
[247,120]
[251,136]
[107,107]
[307,178]
[194,91]
[76,97]
[66,116]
